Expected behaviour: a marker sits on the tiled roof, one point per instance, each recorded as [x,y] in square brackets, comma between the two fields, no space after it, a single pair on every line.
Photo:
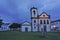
[55,21]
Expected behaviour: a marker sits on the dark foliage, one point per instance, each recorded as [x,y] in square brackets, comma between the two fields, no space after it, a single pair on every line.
[1,22]
[15,25]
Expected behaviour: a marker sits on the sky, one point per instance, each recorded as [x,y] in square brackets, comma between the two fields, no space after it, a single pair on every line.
[18,11]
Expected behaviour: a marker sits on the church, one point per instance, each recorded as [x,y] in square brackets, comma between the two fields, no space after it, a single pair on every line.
[38,22]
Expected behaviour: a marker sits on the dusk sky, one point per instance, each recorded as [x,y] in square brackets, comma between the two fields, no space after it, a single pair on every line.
[19,10]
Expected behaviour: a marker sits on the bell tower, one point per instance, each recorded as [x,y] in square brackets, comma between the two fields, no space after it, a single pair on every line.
[33,12]
[34,19]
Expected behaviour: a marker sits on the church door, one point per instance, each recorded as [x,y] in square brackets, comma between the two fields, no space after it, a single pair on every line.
[26,29]
[44,28]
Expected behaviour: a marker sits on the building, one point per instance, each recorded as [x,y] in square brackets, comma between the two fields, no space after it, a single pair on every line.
[55,25]
[38,22]
[4,26]
[26,27]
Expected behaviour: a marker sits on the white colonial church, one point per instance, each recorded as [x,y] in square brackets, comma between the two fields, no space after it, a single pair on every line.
[38,22]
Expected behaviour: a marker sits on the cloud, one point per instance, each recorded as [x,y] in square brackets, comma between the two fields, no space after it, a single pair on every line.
[19,10]
[50,4]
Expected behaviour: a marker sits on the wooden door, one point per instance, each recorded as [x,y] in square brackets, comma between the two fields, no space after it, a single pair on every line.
[44,28]
[26,29]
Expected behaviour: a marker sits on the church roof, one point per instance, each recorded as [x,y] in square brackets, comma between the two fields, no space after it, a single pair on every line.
[55,21]
[5,23]
[33,8]
[26,23]
[43,13]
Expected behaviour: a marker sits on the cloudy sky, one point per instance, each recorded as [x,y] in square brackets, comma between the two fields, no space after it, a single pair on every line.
[19,10]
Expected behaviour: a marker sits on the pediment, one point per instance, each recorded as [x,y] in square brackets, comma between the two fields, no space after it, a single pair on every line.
[26,23]
[44,14]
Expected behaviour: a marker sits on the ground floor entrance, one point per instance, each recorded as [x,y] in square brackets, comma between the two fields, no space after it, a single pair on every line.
[26,29]
[44,28]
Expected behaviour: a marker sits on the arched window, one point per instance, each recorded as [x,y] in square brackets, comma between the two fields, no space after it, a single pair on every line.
[44,22]
[47,21]
[34,12]
[34,21]
[40,21]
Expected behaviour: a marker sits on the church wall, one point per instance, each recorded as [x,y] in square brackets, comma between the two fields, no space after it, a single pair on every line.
[23,28]
[35,25]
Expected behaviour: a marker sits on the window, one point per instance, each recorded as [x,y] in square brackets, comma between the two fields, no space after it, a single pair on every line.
[43,15]
[34,21]
[47,21]
[34,11]
[44,22]
[0,26]
[40,21]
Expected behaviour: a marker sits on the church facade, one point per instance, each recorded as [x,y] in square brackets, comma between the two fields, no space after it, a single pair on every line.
[39,22]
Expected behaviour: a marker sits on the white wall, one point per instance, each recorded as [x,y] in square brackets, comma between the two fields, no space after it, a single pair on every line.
[34,25]
[23,28]
[35,29]
[4,27]
[48,28]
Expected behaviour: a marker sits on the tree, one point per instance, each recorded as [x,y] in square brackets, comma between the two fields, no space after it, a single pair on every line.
[1,22]
[15,25]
